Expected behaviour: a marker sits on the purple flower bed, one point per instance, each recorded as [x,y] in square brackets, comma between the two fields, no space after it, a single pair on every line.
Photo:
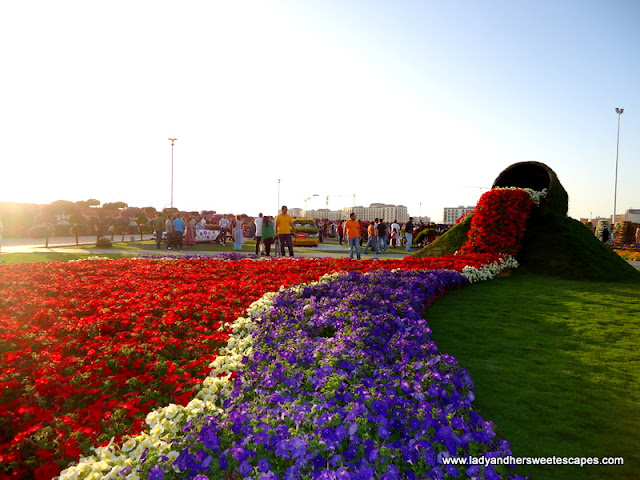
[631,247]
[344,383]
[236,256]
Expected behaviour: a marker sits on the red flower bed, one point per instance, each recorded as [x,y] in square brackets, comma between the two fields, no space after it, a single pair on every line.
[498,222]
[87,349]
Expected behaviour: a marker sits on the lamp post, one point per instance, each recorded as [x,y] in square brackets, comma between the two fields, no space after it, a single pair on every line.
[172,140]
[619,111]
[278,209]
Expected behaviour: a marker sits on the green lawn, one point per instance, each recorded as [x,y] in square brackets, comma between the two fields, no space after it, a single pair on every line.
[556,366]
[13,258]
[248,247]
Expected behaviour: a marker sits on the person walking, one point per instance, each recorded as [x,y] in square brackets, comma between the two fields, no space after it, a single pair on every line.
[158,227]
[258,222]
[352,228]
[382,235]
[340,231]
[268,234]
[168,231]
[284,229]
[372,240]
[178,232]
[408,233]
[190,232]
[238,233]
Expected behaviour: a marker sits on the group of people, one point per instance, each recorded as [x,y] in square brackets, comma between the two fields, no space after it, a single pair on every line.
[378,235]
[177,231]
[265,230]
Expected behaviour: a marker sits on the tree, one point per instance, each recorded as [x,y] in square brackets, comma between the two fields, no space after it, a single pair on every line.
[77,219]
[114,206]
[45,218]
[150,211]
[121,226]
[80,229]
[41,231]
[142,221]
[79,226]
[18,218]
[131,212]
[99,223]
[62,207]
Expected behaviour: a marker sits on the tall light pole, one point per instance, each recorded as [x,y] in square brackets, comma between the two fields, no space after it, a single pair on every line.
[619,111]
[278,209]
[172,140]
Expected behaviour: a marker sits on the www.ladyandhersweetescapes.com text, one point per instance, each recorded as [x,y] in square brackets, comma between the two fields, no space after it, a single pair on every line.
[510,460]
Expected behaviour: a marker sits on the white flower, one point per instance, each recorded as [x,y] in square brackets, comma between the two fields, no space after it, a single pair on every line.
[171,410]
[129,445]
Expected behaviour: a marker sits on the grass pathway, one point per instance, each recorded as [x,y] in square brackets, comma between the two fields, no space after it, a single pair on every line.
[556,365]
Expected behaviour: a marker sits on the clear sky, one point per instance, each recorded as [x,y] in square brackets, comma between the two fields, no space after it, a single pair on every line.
[420,103]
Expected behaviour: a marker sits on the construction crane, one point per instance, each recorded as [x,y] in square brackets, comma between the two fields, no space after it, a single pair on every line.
[352,195]
[327,199]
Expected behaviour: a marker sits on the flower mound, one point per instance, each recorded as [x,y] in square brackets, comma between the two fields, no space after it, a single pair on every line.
[499,221]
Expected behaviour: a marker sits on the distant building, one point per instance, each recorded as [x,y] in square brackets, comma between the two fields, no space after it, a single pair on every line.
[632,215]
[451,215]
[295,212]
[422,219]
[322,214]
[376,210]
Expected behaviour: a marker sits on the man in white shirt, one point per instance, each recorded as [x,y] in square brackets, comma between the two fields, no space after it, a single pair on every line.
[258,223]
[395,228]
[224,228]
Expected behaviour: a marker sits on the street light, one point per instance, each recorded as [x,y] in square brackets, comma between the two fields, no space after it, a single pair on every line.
[172,140]
[278,209]
[619,111]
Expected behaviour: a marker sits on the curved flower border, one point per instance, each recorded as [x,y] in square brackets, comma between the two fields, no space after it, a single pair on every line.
[171,428]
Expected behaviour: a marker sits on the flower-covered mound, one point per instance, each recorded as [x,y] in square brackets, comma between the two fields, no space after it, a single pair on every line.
[499,221]
[337,379]
[88,348]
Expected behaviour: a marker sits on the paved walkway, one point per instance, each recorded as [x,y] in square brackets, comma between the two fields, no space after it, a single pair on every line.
[68,245]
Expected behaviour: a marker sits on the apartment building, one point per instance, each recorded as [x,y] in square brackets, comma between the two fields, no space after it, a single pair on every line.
[375,210]
[451,215]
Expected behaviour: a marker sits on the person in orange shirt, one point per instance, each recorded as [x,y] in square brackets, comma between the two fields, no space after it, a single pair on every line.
[352,228]
[372,241]
[284,229]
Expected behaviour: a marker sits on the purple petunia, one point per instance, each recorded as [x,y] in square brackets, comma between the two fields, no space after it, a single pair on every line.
[345,382]
[156,473]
